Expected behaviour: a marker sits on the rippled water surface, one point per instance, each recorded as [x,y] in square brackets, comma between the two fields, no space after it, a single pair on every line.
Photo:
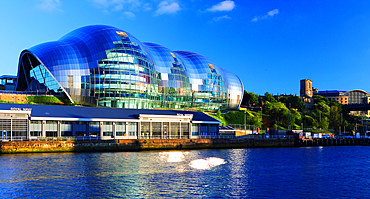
[316,172]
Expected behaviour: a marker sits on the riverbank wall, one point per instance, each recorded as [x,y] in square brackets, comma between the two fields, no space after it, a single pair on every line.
[8,147]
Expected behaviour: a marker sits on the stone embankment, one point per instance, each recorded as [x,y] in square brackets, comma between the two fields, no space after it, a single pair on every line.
[165,144]
[137,145]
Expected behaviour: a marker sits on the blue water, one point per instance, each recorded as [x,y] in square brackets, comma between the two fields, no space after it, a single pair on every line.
[316,172]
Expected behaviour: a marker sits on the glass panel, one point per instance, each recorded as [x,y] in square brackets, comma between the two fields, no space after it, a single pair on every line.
[185,130]
[175,130]
[132,128]
[66,129]
[19,128]
[203,129]
[107,128]
[145,131]
[156,130]
[166,127]
[42,80]
[80,128]
[213,130]
[94,129]
[36,128]
[120,129]
[51,128]
[195,129]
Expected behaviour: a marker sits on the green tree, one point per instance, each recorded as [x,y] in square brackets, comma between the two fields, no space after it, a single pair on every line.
[318,98]
[335,116]
[324,123]
[309,121]
[250,99]
[296,103]
[269,98]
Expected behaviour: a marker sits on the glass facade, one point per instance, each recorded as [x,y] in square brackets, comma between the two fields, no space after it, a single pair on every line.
[356,97]
[107,66]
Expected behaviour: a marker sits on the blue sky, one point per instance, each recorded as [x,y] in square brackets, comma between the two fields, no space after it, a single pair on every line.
[271,45]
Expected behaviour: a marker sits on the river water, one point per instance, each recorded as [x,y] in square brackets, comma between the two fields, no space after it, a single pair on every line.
[312,172]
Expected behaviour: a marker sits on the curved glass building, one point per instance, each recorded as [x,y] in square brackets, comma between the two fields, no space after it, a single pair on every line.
[108,66]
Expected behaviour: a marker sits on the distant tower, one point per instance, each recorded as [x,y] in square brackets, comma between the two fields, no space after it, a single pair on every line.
[306,88]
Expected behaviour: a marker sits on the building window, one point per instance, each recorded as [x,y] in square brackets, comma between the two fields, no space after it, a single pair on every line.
[203,130]
[156,130]
[166,126]
[36,128]
[66,129]
[145,130]
[185,130]
[132,128]
[175,130]
[107,128]
[80,128]
[94,129]
[51,128]
[194,129]
[120,129]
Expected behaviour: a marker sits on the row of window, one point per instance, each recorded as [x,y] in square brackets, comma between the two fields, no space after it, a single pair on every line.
[147,129]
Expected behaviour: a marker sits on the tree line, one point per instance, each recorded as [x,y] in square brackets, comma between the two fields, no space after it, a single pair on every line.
[290,112]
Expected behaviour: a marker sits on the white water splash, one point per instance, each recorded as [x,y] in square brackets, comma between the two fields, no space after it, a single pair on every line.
[207,163]
[172,156]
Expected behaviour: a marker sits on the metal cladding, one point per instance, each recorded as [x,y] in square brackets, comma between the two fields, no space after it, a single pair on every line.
[106,65]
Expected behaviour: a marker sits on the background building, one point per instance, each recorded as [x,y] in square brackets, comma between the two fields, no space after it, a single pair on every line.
[306,88]
[8,82]
[343,97]
[108,66]
[306,92]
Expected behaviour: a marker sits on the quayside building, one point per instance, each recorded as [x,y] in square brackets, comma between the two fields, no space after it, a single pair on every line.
[107,66]
[32,122]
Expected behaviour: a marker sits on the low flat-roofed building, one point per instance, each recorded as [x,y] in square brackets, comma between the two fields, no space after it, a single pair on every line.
[8,82]
[31,122]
